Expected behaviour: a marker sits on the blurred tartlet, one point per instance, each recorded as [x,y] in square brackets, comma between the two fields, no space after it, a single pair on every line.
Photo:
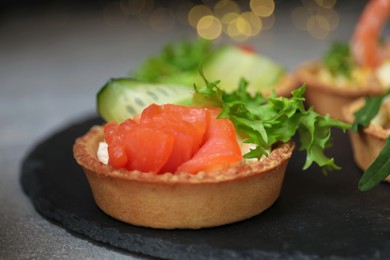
[351,70]
[368,142]
[328,94]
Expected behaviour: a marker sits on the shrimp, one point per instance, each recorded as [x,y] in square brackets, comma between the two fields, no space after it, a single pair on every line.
[365,45]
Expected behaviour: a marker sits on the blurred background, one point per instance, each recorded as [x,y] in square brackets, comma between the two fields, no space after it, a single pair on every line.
[211,19]
[55,56]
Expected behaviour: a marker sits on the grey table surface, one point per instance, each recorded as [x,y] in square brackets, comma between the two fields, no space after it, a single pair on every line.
[53,60]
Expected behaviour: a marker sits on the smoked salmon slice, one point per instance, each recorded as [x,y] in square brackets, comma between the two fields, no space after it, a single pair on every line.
[173,138]
[128,149]
[148,149]
[220,149]
[195,118]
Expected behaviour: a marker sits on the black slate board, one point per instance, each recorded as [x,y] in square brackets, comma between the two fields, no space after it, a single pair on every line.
[316,216]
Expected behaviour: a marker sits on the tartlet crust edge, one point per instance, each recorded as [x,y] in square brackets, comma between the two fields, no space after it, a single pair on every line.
[328,98]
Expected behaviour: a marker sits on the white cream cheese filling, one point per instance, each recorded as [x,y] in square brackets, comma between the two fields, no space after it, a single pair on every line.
[382,117]
[383,74]
[102,152]
[359,76]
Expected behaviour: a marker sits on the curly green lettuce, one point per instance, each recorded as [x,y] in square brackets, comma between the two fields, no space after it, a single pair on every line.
[265,121]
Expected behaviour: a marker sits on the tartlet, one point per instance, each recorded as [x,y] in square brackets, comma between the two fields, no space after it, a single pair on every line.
[329,97]
[353,69]
[367,143]
[185,201]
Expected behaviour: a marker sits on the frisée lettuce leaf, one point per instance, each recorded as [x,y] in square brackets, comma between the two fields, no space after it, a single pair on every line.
[265,121]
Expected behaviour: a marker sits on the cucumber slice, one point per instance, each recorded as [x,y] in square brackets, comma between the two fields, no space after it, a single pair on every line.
[123,98]
[229,64]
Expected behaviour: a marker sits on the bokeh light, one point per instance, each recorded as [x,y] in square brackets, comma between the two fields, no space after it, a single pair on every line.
[223,7]
[318,26]
[332,17]
[234,22]
[238,29]
[262,8]
[209,27]
[317,17]
[217,18]
[267,22]
[250,24]
[241,26]
[197,12]
[235,28]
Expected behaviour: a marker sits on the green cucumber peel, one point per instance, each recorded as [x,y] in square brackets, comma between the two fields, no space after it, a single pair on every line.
[123,98]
